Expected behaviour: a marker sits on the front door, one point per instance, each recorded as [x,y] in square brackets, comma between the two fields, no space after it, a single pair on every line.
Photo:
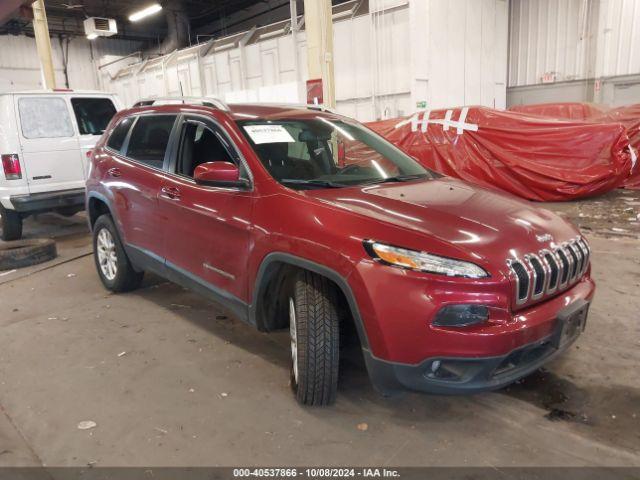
[206,229]
[135,177]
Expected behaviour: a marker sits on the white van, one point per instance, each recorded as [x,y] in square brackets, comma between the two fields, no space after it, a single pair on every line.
[45,139]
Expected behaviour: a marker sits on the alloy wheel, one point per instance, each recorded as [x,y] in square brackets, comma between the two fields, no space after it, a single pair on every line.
[107,257]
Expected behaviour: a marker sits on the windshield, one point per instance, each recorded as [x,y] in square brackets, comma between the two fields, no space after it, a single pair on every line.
[323,153]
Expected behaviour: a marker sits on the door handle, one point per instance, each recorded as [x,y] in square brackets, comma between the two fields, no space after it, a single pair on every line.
[114,172]
[172,193]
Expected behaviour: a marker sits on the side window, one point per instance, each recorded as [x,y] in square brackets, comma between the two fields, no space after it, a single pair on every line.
[199,144]
[93,114]
[44,117]
[149,139]
[116,139]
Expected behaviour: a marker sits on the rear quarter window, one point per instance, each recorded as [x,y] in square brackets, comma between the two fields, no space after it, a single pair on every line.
[118,134]
[44,117]
[149,139]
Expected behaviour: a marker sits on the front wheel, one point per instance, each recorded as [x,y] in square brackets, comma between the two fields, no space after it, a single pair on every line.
[315,338]
[113,265]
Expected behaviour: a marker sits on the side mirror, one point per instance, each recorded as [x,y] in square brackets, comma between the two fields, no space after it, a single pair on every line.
[219,174]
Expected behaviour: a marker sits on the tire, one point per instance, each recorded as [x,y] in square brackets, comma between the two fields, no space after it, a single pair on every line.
[315,339]
[24,253]
[11,225]
[113,266]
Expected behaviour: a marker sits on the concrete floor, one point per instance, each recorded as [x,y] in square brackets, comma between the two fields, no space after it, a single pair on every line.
[171,379]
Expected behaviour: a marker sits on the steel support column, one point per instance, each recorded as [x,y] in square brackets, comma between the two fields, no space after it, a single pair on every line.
[319,29]
[43,43]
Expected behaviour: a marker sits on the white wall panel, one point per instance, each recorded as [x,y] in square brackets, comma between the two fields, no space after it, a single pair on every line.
[548,36]
[20,67]
[573,39]
[459,52]
[446,53]
[618,38]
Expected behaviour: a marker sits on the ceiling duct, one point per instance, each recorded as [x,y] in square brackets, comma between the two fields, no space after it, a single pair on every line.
[177,27]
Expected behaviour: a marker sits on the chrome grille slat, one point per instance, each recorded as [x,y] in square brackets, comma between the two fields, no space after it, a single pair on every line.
[580,254]
[565,267]
[543,273]
[585,255]
[539,276]
[522,280]
[573,260]
[553,270]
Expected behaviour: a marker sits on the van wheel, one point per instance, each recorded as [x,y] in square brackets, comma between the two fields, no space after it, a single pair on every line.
[11,225]
[315,338]
[113,265]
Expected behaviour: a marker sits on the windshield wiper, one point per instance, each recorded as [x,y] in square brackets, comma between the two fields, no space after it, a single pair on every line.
[312,183]
[399,178]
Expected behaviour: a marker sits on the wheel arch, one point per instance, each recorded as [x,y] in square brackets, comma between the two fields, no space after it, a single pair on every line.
[275,267]
[97,205]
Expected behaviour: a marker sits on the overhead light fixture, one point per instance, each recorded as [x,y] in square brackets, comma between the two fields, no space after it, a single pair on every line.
[92,36]
[145,12]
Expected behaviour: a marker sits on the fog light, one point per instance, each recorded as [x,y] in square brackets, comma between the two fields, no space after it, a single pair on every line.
[461,315]
[435,366]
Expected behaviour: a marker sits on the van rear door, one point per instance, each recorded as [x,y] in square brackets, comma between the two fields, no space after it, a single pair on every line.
[50,149]
[92,115]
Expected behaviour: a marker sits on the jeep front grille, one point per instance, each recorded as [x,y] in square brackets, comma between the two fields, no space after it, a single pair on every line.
[547,271]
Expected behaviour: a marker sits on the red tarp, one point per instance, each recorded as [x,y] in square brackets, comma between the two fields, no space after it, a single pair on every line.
[566,111]
[628,116]
[530,156]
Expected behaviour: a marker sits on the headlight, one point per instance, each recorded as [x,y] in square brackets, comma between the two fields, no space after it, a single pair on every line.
[424,262]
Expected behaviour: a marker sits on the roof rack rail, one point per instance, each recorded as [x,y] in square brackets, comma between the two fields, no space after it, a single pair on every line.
[320,107]
[309,106]
[205,101]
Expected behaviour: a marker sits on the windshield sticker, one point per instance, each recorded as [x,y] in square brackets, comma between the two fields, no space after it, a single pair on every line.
[268,134]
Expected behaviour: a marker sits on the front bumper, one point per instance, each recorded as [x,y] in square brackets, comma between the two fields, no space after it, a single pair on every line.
[467,375]
[47,201]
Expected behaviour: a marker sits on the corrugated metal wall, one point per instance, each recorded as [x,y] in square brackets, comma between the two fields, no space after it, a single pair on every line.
[20,66]
[566,40]
[370,82]
[402,53]
[388,63]
[619,38]
[547,37]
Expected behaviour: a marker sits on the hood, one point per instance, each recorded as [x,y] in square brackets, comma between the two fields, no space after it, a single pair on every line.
[477,222]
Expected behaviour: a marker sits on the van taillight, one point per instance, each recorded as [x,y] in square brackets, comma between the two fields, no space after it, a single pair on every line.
[11,166]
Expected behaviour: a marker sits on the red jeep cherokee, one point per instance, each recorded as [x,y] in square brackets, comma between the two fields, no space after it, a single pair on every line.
[300,218]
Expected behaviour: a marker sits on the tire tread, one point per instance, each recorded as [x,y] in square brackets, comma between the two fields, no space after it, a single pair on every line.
[318,339]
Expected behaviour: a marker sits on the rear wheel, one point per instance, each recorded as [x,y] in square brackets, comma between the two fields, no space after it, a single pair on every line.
[113,265]
[11,225]
[315,338]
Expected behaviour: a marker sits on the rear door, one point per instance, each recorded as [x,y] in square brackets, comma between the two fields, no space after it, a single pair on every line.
[135,177]
[50,148]
[92,115]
